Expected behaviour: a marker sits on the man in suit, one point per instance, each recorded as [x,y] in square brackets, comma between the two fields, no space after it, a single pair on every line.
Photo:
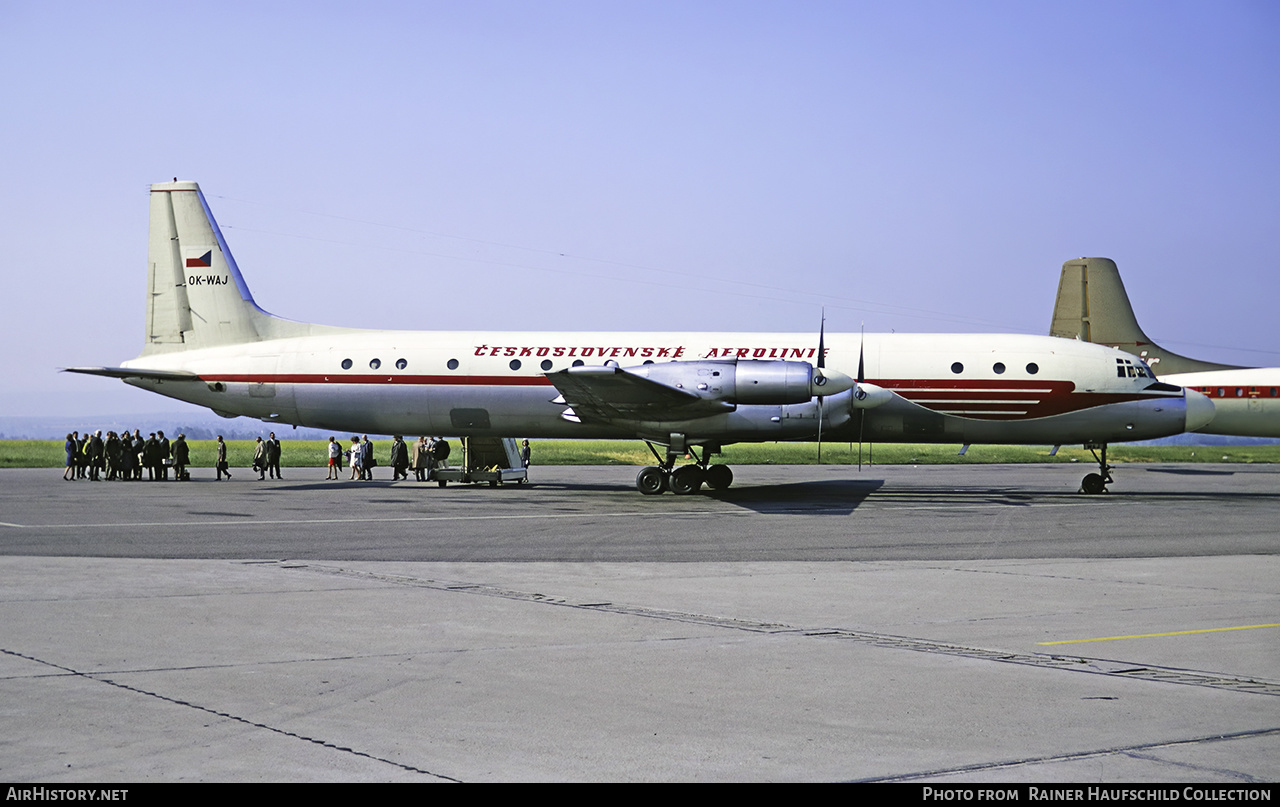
[222,460]
[165,453]
[273,457]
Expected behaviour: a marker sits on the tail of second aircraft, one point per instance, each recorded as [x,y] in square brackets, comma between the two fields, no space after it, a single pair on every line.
[196,297]
[1092,306]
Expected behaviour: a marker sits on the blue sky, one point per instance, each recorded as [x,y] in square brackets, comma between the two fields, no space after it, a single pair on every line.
[916,166]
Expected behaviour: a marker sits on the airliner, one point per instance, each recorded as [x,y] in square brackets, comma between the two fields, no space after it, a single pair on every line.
[1093,306]
[208,343]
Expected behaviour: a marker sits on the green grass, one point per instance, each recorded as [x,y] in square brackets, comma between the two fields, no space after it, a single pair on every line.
[313,453]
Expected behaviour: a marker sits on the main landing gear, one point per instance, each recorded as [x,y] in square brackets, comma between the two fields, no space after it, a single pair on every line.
[1097,483]
[684,480]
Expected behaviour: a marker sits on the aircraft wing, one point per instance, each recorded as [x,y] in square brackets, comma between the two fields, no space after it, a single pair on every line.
[608,394]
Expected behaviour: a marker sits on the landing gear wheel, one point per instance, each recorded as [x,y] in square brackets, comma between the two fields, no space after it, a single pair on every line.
[1097,483]
[442,483]
[686,479]
[719,477]
[1094,484]
[651,481]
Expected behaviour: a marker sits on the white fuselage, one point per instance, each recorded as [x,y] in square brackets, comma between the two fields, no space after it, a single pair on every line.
[1246,401]
[963,388]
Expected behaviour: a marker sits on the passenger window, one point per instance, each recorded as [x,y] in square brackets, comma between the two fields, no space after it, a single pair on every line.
[998,367]
[452,364]
[401,364]
[578,362]
[957,368]
[346,364]
[515,364]
[375,364]
[1033,368]
[546,365]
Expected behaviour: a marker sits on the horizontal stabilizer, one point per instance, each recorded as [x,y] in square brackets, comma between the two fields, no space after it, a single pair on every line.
[127,372]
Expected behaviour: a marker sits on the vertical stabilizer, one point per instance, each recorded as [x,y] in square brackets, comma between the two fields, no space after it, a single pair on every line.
[1092,306]
[195,295]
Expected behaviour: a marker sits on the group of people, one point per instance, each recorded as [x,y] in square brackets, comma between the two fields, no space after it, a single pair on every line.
[426,454]
[124,456]
[266,457]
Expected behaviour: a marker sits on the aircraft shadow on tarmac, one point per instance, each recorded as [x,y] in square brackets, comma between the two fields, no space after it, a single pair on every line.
[828,497]
[834,497]
[428,488]
[809,497]
[841,497]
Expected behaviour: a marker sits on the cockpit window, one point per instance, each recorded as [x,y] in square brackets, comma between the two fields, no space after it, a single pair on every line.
[1129,368]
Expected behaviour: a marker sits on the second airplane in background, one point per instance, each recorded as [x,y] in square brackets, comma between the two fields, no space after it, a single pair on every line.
[1092,306]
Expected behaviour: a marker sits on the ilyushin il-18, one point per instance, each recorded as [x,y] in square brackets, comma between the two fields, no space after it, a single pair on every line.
[208,343]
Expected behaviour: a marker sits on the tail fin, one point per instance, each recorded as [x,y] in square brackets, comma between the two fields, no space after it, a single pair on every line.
[196,297]
[1092,306]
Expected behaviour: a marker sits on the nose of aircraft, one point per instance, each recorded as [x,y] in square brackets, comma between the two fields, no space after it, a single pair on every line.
[1200,410]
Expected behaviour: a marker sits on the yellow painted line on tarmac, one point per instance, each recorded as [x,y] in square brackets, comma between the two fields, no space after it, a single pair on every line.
[1154,635]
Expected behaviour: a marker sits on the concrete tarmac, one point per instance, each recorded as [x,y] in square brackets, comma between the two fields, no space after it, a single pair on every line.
[944,623]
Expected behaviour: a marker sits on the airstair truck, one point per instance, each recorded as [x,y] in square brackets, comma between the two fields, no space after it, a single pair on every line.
[495,460]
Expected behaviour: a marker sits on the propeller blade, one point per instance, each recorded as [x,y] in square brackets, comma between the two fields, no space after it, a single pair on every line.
[820,429]
[862,376]
[822,331]
[862,421]
[822,363]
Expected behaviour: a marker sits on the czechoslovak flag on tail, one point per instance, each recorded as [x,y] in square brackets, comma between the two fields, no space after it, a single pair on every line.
[204,260]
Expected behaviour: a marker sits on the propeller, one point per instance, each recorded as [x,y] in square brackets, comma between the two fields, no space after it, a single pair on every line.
[858,391]
[866,396]
[820,378]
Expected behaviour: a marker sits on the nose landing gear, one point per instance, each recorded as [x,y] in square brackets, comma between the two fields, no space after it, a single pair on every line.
[1097,483]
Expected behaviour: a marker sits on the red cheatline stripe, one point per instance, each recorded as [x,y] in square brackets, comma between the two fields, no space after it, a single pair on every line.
[420,380]
[974,385]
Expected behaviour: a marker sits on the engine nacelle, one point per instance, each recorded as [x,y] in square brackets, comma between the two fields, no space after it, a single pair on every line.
[869,396]
[748,381]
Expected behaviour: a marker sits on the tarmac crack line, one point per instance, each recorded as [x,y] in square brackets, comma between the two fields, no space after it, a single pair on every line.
[1072,663]
[1127,750]
[227,716]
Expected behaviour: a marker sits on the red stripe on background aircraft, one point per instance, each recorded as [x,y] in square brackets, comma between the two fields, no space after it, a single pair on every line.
[208,343]
[1093,306]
